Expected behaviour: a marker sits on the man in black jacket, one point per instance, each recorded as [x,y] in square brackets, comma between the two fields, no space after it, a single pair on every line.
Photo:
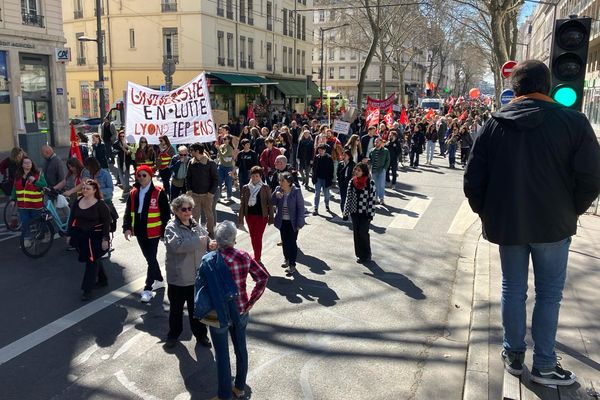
[533,170]
[202,182]
[322,176]
[147,213]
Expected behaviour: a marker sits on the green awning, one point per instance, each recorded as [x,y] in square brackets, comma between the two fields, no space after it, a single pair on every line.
[296,88]
[241,80]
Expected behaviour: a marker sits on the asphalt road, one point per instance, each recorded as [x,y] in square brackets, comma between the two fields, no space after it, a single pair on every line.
[337,329]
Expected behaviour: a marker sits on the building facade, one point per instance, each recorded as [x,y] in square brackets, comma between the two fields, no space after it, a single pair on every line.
[33,106]
[254,50]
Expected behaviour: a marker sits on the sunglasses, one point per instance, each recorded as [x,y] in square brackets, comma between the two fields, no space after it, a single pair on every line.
[142,175]
[186,209]
[183,155]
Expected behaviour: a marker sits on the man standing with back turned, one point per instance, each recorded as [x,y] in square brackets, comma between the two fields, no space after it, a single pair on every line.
[533,170]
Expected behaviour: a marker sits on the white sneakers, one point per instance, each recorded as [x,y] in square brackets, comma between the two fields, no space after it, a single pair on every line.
[146,296]
[158,285]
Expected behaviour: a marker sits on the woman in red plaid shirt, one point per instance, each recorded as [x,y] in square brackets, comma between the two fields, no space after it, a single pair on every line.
[240,264]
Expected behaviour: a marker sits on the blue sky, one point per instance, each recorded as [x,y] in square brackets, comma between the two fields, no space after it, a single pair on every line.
[526,11]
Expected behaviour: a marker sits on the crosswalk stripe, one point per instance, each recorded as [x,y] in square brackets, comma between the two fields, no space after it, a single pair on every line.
[463,219]
[410,215]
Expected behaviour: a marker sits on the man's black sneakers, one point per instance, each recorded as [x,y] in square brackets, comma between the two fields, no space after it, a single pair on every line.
[553,376]
[513,362]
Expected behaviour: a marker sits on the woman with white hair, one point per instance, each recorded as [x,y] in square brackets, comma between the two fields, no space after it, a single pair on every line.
[186,242]
[235,319]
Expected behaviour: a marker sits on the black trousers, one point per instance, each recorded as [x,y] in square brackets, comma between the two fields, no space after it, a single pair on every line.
[178,297]
[414,157]
[464,155]
[176,191]
[94,272]
[343,193]
[289,241]
[165,177]
[393,170]
[149,249]
[362,239]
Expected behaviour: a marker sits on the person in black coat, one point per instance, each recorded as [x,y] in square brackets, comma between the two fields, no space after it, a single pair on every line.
[367,142]
[533,170]
[322,176]
[246,159]
[344,175]
[99,151]
[394,147]
[417,142]
[306,151]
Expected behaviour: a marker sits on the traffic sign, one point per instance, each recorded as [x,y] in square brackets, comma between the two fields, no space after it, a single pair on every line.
[168,66]
[506,96]
[507,68]
[162,88]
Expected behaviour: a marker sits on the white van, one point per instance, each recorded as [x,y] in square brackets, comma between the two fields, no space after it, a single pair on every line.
[436,105]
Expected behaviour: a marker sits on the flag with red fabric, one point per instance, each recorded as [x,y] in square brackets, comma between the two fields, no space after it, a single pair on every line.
[403,117]
[464,115]
[450,109]
[75,152]
[430,114]
[389,117]
[372,116]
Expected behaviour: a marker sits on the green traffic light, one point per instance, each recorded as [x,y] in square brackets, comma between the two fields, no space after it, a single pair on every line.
[565,95]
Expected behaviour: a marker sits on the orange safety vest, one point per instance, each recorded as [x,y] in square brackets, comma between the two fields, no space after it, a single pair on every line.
[164,159]
[154,223]
[29,196]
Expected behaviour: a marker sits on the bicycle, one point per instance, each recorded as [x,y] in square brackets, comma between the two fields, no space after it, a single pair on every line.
[42,229]
[11,216]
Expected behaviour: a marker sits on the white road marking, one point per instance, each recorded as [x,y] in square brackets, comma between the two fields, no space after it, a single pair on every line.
[83,357]
[33,339]
[410,215]
[463,219]
[127,345]
[131,386]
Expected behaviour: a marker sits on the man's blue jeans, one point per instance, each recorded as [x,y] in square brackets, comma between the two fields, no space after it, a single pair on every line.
[318,186]
[225,178]
[452,154]
[550,270]
[379,179]
[27,215]
[237,330]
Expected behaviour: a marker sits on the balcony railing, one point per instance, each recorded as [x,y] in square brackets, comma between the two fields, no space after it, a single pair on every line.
[221,61]
[251,64]
[168,7]
[220,12]
[229,14]
[33,20]
[242,63]
[269,25]
[269,67]
[250,21]
[77,14]
[171,57]
[243,19]
[80,60]
[230,62]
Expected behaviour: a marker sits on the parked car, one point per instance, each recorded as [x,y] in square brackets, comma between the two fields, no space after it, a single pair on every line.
[86,125]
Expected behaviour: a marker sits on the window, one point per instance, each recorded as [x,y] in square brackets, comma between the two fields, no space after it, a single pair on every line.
[303,27]
[321,15]
[331,52]
[250,12]
[342,72]
[242,11]
[230,9]
[220,48]
[342,54]
[170,44]
[80,49]
[168,6]
[242,51]
[298,26]
[77,9]
[269,56]
[303,61]
[220,11]
[269,16]
[285,60]
[291,25]
[229,49]
[285,22]
[250,53]
[352,72]
[298,61]
[290,60]
[132,39]
[331,72]
[30,13]
[353,55]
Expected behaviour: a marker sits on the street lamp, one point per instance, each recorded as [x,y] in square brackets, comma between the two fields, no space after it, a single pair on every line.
[100,52]
[322,30]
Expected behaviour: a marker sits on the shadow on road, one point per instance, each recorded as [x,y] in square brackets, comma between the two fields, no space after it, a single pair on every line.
[300,287]
[396,280]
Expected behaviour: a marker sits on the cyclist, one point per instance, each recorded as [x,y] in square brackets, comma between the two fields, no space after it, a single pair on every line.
[27,191]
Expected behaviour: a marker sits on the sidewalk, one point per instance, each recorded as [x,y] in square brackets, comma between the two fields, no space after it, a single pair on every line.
[578,341]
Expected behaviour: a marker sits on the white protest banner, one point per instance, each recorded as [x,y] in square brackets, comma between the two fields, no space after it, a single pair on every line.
[184,115]
[340,126]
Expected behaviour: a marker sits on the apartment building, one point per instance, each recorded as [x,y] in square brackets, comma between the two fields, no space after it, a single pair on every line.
[251,49]
[32,75]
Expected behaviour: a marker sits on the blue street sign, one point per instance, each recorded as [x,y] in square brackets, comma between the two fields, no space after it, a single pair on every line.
[163,88]
[506,96]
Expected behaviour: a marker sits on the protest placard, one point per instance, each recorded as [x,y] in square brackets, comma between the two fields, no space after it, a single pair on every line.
[184,114]
[340,126]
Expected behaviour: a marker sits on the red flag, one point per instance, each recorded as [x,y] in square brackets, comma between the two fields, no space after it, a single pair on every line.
[464,115]
[250,112]
[450,109]
[389,117]
[372,116]
[403,117]
[74,152]
[430,114]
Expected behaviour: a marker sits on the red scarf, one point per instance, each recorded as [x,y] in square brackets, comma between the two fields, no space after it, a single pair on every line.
[360,183]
